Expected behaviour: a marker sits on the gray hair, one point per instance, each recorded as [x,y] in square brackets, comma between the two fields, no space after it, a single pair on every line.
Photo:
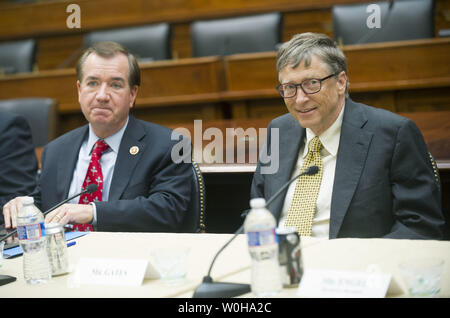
[303,46]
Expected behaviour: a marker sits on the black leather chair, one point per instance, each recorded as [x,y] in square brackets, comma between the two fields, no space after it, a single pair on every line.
[444,33]
[438,182]
[147,43]
[435,170]
[17,56]
[41,114]
[194,222]
[257,33]
[399,20]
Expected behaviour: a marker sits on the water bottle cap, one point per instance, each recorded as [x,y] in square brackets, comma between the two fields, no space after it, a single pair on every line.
[257,203]
[53,228]
[285,230]
[27,200]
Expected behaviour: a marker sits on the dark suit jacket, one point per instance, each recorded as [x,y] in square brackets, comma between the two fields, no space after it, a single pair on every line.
[148,192]
[18,163]
[384,184]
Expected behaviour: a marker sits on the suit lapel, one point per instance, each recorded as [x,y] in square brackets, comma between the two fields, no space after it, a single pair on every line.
[353,146]
[289,147]
[126,161]
[66,165]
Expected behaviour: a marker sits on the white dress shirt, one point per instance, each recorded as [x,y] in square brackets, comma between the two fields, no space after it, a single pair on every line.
[107,162]
[330,141]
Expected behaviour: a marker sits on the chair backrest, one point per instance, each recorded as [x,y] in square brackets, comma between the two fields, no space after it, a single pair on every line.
[41,114]
[257,33]
[444,33]
[147,43]
[399,20]
[194,222]
[17,56]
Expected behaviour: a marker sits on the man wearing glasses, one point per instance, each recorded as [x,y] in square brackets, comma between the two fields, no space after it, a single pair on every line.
[375,176]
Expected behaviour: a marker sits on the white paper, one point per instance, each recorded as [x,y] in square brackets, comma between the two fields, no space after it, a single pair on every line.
[343,284]
[108,271]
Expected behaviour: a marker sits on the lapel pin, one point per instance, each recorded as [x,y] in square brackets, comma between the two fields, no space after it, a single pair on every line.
[134,150]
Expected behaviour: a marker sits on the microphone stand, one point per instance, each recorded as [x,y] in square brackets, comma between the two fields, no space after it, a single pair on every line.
[208,288]
[89,189]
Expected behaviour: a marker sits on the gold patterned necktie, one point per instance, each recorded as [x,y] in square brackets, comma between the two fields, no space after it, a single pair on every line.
[303,205]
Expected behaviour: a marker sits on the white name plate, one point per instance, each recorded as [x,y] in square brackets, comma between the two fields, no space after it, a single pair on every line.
[343,284]
[107,271]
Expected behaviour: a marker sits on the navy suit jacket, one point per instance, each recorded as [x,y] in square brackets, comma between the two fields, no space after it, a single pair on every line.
[18,163]
[384,183]
[148,192]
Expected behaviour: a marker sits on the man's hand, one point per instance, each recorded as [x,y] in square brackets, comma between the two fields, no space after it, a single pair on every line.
[10,211]
[71,213]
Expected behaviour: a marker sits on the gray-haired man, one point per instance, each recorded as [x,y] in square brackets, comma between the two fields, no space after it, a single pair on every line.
[375,175]
[140,188]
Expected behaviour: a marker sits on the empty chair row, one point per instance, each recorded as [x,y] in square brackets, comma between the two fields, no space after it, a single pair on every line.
[352,24]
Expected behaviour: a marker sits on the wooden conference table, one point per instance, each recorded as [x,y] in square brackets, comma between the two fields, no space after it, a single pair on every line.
[233,265]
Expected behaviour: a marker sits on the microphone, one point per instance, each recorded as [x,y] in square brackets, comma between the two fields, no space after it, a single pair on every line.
[91,188]
[208,288]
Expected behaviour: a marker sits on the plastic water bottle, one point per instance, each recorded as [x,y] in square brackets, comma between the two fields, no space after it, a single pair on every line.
[31,232]
[263,247]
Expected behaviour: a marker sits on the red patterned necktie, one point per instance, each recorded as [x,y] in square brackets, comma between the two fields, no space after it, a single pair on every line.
[93,175]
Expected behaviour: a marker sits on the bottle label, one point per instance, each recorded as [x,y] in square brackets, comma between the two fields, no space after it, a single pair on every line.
[261,238]
[31,231]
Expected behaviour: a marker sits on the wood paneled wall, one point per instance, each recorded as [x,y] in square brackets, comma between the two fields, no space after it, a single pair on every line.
[400,76]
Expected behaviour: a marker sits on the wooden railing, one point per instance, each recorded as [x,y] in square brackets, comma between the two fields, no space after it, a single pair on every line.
[434,125]
[400,76]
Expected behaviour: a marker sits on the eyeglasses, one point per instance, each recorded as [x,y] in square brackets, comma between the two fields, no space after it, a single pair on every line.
[309,86]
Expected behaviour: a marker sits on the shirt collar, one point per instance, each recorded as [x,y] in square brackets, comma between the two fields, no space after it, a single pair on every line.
[329,138]
[113,141]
